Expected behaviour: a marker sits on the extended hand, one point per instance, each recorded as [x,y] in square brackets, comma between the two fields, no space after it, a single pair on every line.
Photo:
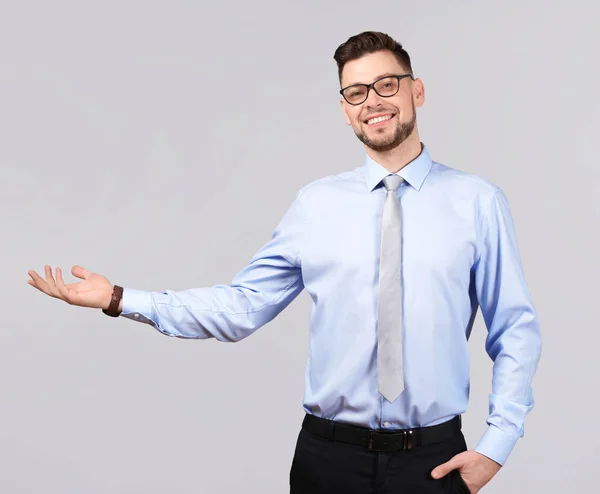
[94,291]
[475,469]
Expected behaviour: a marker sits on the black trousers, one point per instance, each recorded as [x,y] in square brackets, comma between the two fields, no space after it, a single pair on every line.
[321,466]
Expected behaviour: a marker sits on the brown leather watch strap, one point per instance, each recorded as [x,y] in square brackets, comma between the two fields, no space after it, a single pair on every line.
[113,307]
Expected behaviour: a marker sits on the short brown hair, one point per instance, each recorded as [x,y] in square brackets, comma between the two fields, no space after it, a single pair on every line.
[370,42]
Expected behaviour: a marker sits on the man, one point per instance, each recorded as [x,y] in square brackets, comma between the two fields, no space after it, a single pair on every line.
[397,255]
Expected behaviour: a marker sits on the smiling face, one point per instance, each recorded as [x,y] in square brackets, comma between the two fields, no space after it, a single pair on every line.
[382,123]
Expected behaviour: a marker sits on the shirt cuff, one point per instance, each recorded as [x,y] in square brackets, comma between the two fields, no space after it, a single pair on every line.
[496,444]
[137,305]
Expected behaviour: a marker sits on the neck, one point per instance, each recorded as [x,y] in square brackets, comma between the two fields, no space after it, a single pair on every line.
[397,158]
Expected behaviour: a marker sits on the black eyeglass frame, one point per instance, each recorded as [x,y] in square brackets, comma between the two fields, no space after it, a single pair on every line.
[372,86]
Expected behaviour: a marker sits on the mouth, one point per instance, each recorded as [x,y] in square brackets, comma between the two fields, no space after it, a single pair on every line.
[379,120]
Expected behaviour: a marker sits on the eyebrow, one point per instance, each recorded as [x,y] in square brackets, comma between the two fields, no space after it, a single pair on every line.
[385,74]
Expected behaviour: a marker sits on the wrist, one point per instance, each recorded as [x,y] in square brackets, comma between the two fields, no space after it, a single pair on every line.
[115,304]
[108,297]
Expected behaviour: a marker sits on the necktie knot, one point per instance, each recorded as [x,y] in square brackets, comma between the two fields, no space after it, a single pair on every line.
[392,182]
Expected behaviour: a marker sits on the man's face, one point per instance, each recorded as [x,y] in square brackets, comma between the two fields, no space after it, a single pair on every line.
[398,110]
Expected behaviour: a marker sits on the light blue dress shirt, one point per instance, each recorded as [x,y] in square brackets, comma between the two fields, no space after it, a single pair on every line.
[459,252]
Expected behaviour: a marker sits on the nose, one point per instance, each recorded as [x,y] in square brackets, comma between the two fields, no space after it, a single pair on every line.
[373,99]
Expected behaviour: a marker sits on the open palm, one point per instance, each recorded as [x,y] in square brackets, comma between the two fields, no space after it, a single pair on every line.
[94,291]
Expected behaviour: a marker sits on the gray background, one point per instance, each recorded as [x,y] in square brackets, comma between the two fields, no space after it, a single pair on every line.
[160,143]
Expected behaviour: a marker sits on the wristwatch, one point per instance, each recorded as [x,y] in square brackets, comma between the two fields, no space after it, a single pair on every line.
[113,307]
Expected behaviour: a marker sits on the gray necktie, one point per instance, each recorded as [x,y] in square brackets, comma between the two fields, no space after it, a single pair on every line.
[389,340]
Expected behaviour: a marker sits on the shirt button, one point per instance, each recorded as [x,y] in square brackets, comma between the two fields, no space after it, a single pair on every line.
[137,316]
[386,424]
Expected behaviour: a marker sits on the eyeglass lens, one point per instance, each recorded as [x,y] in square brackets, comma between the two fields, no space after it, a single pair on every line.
[388,86]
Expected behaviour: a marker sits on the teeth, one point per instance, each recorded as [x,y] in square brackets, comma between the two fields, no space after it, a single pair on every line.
[378,119]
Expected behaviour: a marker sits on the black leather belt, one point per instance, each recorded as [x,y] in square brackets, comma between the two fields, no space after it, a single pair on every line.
[381,440]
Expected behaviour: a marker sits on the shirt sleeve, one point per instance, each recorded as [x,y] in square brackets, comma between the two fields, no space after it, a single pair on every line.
[514,339]
[257,294]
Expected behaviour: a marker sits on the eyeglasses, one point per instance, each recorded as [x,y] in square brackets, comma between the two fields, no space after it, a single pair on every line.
[385,87]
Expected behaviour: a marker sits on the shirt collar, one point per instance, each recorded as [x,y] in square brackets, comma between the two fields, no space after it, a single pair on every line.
[414,172]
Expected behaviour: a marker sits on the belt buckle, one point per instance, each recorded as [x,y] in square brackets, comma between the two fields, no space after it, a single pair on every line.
[407,439]
[373,433]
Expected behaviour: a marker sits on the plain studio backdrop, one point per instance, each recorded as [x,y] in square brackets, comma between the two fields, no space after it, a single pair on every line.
[160,143]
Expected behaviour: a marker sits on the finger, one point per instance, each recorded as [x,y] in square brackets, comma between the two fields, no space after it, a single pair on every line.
[34,285]
[49,277]
[52,284]
[34,276]
[62,289]
[80,272]
[445,468]
[40,284]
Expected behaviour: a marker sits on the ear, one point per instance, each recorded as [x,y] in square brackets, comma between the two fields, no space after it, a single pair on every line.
[344,108]
[418,92]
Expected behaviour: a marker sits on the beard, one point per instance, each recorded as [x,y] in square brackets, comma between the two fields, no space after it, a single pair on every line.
[402,131]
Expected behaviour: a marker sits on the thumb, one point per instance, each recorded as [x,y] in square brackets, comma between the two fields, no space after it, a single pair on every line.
[80,272]
[445,468]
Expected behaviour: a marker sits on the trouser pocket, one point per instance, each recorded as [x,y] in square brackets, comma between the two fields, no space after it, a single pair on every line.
[458,484]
